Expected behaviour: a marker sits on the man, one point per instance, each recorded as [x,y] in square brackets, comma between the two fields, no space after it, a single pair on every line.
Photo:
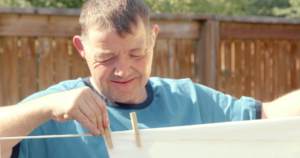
[117,43]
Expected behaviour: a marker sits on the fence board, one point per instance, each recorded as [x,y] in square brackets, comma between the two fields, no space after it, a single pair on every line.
[286,66]
[62,69]
[216,54]
[282,66]
[24,25]
[257,63]
[227,71]
[252,67]
[221,67]
[293,63]
[276,70]
[11,70]
[1,73]
[263,61]
[45,63]
[259,31]
[79,66]
[64,26]
[269,70]
[248,68]
[193,45]
[264,88]
[161,58]
[28,66]
[238,86]
[298,64]
[186,65]
[174,58]
[178,29]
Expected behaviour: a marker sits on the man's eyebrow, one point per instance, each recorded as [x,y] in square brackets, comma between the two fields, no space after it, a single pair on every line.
[104,53]
[134,49]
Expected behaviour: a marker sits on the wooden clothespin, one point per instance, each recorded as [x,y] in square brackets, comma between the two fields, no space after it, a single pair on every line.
[136,129]
[108,138]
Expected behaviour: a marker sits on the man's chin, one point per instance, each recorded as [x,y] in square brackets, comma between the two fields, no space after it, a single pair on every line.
[125,99]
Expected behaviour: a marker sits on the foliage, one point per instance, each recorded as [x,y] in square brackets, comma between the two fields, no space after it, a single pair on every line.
[225,7]
[263,7]
[283,8]
[57,3]
[18,3]
[292,12]
[193,6]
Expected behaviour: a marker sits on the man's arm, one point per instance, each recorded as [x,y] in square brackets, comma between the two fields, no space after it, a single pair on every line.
[19,120]
[82,105]
[286,106]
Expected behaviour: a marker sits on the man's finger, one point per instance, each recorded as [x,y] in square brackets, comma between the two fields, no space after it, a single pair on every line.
[100,103]
[97,111]
[88,112]
[86,123]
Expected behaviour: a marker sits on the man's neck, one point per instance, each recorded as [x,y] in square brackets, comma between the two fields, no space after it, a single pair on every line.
[140,97]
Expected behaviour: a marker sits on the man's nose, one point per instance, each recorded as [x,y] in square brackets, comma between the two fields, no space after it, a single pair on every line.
[123,68]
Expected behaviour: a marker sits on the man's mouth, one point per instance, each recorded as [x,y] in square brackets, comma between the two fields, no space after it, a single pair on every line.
[123,83]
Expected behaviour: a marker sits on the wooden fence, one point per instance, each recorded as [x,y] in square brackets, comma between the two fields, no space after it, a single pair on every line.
[258,60]
[239,56]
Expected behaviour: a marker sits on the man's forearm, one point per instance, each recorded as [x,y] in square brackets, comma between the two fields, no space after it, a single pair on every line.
[286,106]
[20,120]
[81,104]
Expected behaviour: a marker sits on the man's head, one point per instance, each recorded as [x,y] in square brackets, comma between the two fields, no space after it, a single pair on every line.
[117,43]
[118,15]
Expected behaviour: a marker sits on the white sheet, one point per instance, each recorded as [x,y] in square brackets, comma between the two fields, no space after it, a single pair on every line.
[276,138]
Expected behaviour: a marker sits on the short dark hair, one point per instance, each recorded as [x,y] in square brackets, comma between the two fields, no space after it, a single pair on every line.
[113,14]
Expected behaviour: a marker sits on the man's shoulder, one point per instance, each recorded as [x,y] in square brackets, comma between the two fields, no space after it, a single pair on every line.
[68,85]
[157,81]
[171,85]
[60,87]
[185,86]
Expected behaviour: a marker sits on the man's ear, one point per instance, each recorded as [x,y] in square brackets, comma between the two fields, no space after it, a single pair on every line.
[78,44]
[154,33]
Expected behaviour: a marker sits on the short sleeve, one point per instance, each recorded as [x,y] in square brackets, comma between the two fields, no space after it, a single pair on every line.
[219,107]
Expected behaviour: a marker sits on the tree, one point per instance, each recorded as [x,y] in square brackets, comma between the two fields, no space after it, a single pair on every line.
[292,12]
[17,3]
[283,8]
[57,3]
[263,7]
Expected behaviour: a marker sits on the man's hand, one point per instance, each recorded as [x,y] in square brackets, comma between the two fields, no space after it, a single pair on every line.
[82,105]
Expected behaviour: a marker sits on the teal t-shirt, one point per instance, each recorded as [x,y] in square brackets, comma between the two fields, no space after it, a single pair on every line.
[169,103]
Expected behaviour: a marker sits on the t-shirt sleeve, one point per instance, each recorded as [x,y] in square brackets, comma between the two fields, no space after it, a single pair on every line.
[219,107]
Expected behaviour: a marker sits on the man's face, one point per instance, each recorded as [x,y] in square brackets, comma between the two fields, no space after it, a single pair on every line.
[120,66]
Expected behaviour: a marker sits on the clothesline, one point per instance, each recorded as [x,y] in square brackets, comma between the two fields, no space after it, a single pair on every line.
[45,136]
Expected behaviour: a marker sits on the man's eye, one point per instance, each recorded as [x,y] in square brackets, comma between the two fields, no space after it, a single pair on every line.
[136,56]
[105,61]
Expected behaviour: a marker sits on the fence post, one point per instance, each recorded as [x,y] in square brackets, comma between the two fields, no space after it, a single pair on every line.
[208,53]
